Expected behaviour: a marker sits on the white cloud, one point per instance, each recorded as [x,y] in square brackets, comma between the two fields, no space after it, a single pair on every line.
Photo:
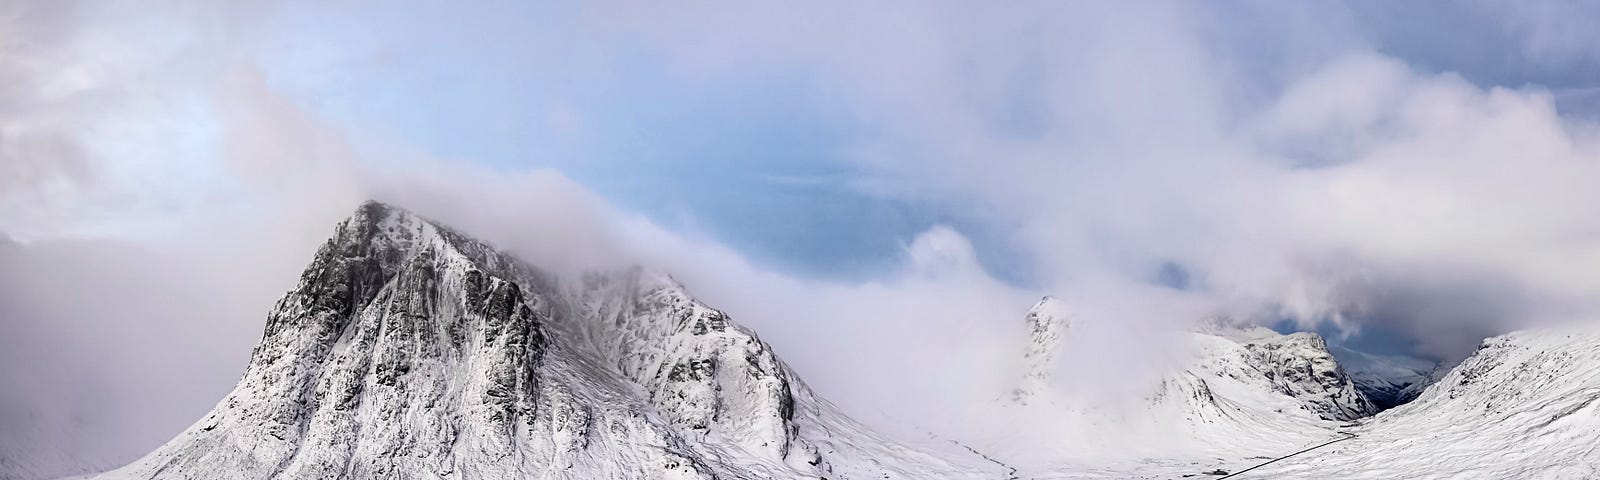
[1300,194]
[1106,143]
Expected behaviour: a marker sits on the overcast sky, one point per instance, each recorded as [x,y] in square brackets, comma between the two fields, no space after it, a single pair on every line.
[876,187]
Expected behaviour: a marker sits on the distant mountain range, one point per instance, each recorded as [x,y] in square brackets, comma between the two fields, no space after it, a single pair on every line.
[1389,381]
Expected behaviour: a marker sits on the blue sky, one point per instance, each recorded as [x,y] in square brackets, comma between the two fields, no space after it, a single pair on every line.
[756,156]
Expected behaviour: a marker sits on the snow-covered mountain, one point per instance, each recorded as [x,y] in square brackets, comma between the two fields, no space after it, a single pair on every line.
[408,350]
[31,451]
[1297,366]
[1251,384]
[1387,380]
[1526,405]
[1300,366]
[1239,392]
[1047,323]
[1414,390]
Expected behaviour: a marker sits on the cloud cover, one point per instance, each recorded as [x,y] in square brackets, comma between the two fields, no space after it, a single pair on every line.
[1317,180]
[1273,155]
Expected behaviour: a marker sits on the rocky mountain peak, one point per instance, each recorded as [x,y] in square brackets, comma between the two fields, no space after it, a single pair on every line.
[1047,323]
[408,350]
[1299,365]
[396,320]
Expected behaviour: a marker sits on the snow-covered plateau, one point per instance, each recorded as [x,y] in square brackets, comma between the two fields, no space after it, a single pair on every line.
[408,350]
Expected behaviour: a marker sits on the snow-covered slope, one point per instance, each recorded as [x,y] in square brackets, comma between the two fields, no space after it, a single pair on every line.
[1239,393]
[1047,323]
[30,451]
[1385,379]
[1298,366]
[1526,405]
[1412,391]
[410,351]
[1256,387]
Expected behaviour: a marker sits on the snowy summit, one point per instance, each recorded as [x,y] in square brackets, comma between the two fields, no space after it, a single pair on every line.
[409,350]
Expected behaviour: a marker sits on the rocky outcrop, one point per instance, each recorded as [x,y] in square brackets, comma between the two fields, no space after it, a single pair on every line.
[710,377]
[1300,366]
[1047,325]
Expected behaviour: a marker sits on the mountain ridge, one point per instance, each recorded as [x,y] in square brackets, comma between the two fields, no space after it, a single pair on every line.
[408,350]
[1523,405]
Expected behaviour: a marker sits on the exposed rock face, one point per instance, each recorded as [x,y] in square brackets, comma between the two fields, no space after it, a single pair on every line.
[1047,325]
[1299,365]
[1261,368]
[714,378]
[410,351]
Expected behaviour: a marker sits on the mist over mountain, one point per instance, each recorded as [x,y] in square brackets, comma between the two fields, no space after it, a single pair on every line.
[408,350]
[904,238]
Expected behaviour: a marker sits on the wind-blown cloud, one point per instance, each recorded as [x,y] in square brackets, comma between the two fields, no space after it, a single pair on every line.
[1144,139]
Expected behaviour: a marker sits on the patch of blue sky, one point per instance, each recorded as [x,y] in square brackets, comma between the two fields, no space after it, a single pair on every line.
[756,158]
[1476,43]
[760,161]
